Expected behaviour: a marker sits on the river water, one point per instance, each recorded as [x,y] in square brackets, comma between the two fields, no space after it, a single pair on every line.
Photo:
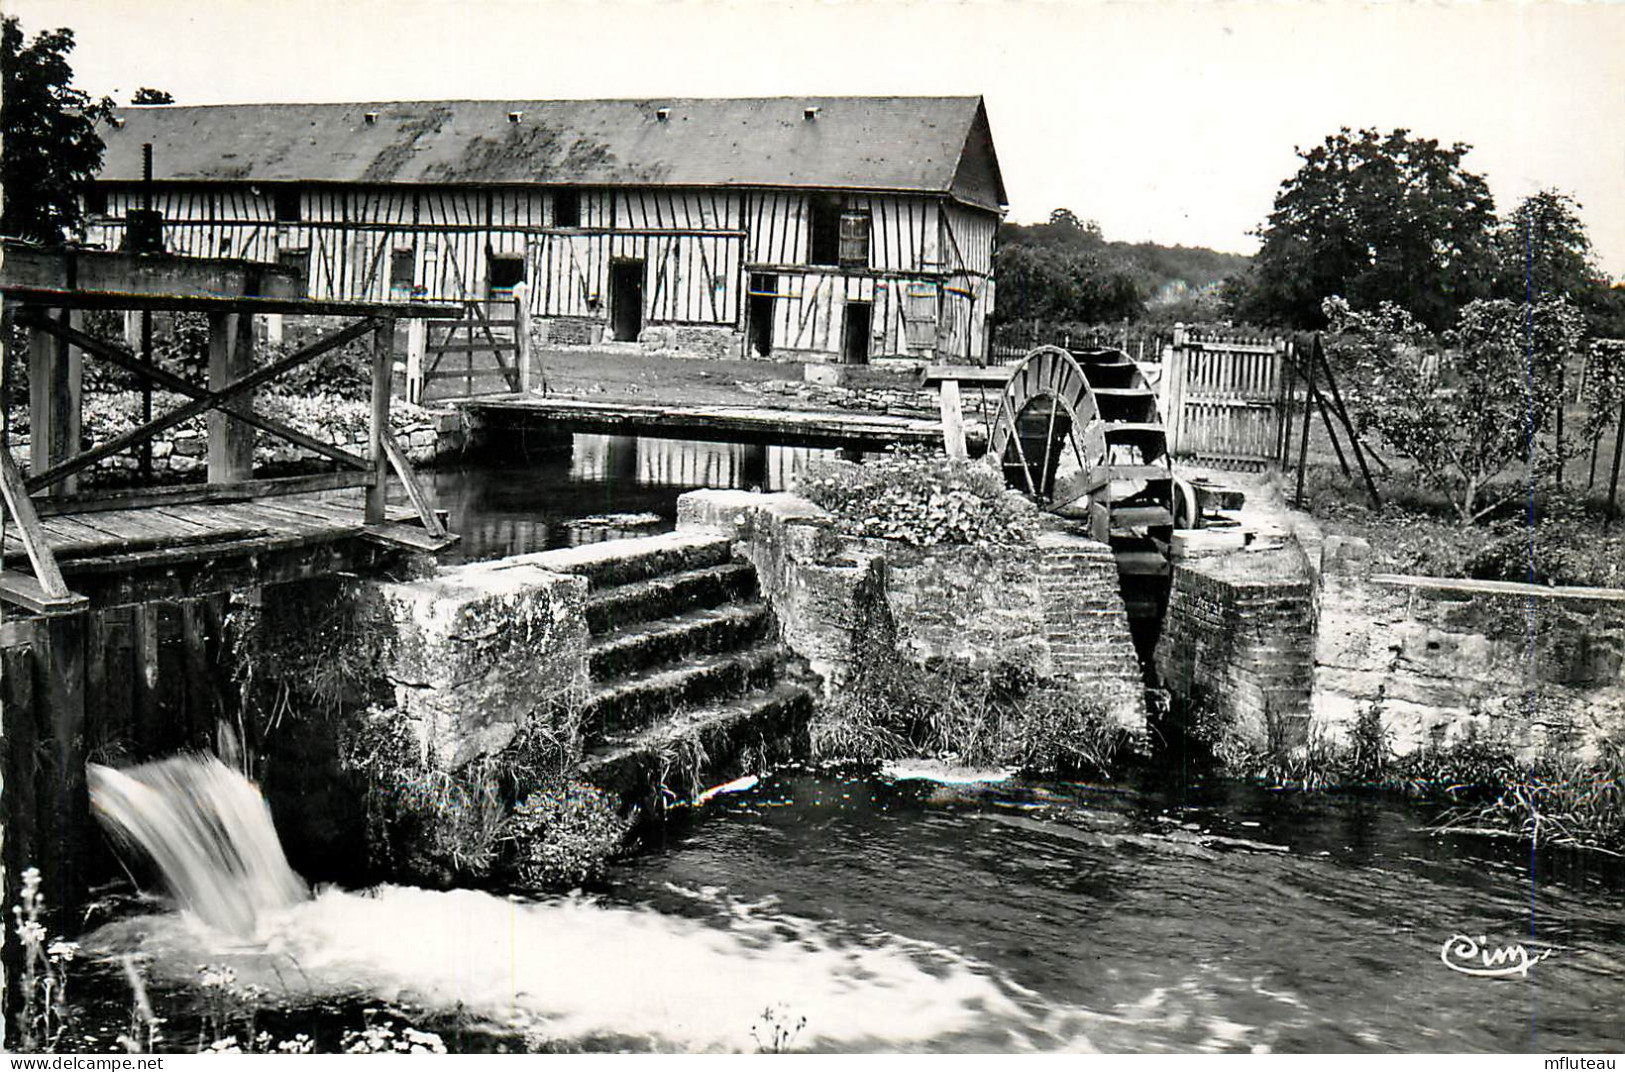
[883,911]
[513,504]
[887,911]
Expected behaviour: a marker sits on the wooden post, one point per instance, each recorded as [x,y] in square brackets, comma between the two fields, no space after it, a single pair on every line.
[231,357]
[1303,447]
[953,421]
[1287,357]
[521,335]
[55,382]
[1619,452]
[383,339]
[144,670]
[1173,391]
[62,675]
[417,341]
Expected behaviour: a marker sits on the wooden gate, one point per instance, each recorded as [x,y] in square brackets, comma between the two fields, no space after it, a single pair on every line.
[485,352]
[1224,397]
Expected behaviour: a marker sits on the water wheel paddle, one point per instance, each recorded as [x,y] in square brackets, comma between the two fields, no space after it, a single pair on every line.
[1079,432]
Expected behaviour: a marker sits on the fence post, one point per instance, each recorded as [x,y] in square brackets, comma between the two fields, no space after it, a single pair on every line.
[1173,390]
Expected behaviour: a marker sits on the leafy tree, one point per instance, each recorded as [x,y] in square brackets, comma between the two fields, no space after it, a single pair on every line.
[51,145]
[148,95]
[1063,286]
[1464,414]
[1375,218]
[1543,251]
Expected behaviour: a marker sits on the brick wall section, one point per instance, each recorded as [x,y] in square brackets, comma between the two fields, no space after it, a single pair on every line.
[1533,667]
[1239,636]
[1085,622]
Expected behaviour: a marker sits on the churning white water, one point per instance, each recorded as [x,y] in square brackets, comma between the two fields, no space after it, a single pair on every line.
[565,970]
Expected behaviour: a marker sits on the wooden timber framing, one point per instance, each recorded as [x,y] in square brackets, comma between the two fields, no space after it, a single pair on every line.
[140,527]
[421,207]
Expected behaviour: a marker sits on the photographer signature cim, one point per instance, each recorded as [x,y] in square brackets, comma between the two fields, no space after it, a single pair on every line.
[1474,956]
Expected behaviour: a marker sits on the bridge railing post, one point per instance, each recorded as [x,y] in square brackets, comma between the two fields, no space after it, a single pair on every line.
[383,369]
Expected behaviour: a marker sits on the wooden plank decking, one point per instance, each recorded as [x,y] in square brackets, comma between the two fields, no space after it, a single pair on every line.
[152,534]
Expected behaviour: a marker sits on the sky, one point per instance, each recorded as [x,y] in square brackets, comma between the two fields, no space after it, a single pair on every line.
[1173,121]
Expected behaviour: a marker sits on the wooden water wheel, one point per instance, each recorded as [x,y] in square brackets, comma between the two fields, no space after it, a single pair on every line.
[1080,433]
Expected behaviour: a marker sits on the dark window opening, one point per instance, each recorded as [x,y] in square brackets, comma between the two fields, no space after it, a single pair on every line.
[402,264]
[96,201]
[824,230]
[855,239]
[505,271]
[763,289]
[288,208]
[567,208]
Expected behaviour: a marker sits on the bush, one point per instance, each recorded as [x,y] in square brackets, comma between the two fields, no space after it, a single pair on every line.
[1004,714]
[922,499]
[564,835]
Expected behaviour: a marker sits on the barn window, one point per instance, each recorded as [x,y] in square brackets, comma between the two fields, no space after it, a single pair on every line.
[401,267]
[855,239]
[567,208]
[96,201]
[824,228]
[505,271]
[288,209]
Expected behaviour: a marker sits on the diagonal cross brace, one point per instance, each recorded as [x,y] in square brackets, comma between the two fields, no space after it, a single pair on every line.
[203,399]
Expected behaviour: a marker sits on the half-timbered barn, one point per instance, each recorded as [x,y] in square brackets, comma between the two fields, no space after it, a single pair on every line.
[837,228]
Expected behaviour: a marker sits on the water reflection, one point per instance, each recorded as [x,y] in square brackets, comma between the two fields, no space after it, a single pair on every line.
[514,505]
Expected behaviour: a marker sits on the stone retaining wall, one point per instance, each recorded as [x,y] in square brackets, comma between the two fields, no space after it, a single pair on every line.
[1238,639]
[474,650]
[1440,659]
[1055,606]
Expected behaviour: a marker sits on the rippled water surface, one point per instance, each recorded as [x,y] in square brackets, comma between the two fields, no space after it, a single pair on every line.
[897,913]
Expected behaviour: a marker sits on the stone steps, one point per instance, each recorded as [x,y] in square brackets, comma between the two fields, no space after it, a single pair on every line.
[612,563]
[659,597]
[705,630]
[634,702]
[700,747]
[685,667]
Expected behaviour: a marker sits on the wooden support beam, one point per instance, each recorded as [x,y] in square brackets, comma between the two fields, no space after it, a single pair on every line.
[61,676]
[383,344]
[953,420]
[46,592]
[521,337]
[414,489]
[416,339]
[55,395]
[202,400]
[231,358]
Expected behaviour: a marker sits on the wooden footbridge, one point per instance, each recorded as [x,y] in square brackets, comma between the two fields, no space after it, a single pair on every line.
[79,563]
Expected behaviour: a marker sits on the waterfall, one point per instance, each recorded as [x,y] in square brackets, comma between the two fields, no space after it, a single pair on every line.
[209,831]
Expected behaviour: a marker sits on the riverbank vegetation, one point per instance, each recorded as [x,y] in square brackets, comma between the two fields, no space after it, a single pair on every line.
[1480,782]
[1004,714]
